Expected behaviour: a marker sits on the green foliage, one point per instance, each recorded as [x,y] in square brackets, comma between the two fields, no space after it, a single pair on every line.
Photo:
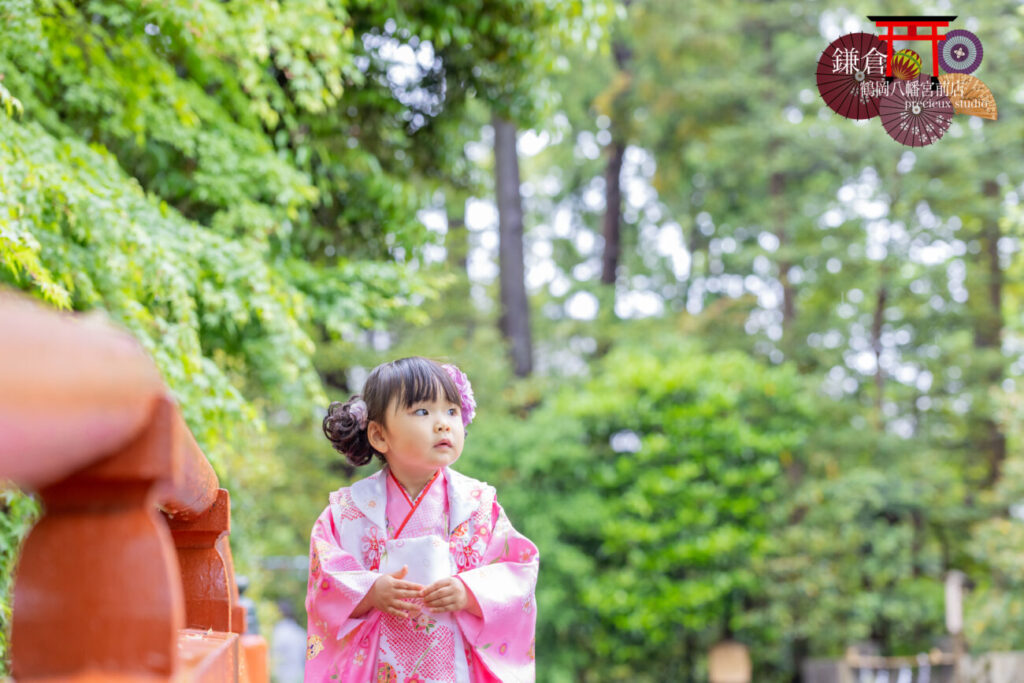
[889,276]
[647,556]
[18,512]
[224,325]
[857,558]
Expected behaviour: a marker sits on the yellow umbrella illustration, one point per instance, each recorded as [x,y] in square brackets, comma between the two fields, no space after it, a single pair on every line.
[969,95]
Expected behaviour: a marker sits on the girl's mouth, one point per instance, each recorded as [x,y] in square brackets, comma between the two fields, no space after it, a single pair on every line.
[443,442]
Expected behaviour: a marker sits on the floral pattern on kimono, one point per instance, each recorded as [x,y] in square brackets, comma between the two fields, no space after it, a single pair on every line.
[348,547]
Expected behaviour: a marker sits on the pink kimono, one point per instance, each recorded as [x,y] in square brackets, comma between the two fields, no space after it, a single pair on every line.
[454,527]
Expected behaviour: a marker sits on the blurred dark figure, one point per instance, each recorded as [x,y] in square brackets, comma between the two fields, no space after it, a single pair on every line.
[287,647]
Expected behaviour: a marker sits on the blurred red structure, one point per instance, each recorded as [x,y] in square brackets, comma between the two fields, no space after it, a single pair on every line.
[128,575]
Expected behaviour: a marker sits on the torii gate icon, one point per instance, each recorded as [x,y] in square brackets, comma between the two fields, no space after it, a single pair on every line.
[911,23]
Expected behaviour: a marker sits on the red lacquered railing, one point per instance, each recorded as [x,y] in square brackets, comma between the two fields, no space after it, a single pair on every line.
[128,574]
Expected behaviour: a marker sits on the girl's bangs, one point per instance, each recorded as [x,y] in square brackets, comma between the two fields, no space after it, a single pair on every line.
[418,380]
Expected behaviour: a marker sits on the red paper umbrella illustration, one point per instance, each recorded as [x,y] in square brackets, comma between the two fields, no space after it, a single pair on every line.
[914,114]
[850,75]
[960,52]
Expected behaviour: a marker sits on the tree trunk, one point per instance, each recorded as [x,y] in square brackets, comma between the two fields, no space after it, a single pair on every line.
[777,204]
[612,213]
[515,309]
[612,227]
[777,188]
[456,243]
[987,301]
[876,345]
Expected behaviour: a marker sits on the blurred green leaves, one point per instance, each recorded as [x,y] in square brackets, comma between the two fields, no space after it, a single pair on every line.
[645,543]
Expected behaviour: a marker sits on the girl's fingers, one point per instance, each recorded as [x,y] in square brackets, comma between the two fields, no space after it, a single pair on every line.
[408,585]
[435,588]
[438,585]
[401,604]
[441,602]
[436,597]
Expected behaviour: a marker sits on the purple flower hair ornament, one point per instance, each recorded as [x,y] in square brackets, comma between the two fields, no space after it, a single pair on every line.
[465,391]
[358,410]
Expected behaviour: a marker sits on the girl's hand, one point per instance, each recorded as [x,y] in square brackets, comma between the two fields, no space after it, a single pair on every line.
[389,590]
[448,595]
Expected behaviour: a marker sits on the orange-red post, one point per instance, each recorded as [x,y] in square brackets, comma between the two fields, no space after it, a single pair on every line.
[98,585]
[106,585]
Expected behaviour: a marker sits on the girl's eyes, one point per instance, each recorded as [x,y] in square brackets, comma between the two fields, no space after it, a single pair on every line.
[451,411]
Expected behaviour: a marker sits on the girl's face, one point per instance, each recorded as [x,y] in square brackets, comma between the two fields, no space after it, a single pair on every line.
[422,438]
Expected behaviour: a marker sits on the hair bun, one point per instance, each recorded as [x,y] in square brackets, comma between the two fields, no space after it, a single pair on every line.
[345,427]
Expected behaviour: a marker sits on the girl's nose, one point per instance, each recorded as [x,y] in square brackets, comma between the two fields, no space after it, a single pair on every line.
[443,426]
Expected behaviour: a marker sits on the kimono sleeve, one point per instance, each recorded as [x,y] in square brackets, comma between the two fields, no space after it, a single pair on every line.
[504,582]
[338,581]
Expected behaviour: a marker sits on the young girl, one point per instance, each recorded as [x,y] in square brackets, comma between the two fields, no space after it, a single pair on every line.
[415,572]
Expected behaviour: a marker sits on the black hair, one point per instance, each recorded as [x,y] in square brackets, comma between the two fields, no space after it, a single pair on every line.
[407,380]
